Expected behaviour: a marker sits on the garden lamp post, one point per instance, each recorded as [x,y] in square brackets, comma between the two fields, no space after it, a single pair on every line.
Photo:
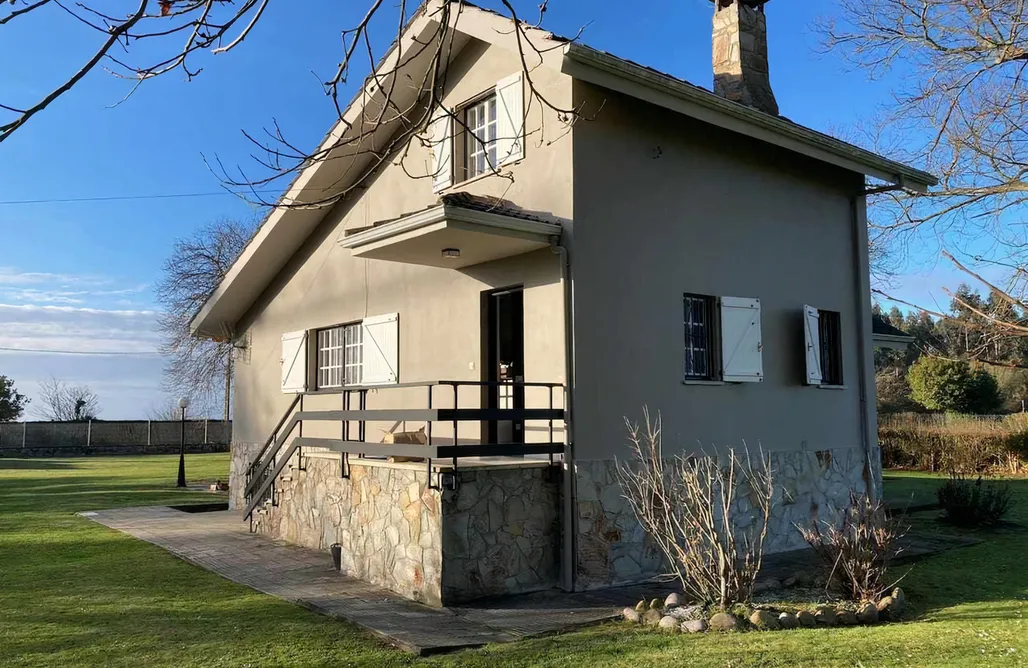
[183,403]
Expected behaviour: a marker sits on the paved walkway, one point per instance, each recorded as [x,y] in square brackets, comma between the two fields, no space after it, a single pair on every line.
[221,542]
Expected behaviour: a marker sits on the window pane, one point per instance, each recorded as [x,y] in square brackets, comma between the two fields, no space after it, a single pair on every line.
[830,331]
[698,337]
[480,137]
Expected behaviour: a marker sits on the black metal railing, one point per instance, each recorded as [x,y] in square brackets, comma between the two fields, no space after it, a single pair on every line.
[271,461]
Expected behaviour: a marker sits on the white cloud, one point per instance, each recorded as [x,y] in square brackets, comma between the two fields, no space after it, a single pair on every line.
[73,319]
[12,276]
[78,329]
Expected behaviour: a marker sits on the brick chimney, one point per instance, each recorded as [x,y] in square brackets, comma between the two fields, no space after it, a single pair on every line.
[740,54]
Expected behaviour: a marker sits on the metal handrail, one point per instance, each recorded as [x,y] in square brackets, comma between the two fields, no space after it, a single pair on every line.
[430,383]
[274,432]
[259,481]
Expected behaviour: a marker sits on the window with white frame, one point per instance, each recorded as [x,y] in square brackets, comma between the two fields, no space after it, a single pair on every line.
[480,137]
[340,356]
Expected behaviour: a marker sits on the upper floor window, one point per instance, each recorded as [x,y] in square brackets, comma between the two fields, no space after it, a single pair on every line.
[722,339]
[831,347]
[823,332]
[699,337]
[480,137]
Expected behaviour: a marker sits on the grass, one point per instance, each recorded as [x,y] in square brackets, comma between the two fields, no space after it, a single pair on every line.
[74,593]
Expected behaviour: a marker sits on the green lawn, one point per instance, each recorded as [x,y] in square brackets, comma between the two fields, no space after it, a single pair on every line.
[74,593]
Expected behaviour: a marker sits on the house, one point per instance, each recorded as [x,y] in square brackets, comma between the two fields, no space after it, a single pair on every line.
[434,372]
[887,336]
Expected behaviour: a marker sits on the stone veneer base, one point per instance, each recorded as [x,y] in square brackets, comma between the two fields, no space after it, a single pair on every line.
[496,534]
[613,549]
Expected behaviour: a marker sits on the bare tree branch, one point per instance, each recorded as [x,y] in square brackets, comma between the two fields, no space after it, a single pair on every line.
[198,368]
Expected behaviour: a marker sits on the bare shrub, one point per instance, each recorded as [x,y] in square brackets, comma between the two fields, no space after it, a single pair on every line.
[857,545]
[691,506]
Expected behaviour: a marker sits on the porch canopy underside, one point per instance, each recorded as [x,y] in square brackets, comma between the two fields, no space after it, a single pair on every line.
[453,235]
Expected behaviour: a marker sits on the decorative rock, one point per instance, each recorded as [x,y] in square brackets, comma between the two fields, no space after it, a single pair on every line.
[764,620]
[686,612]
[899,600]
[724,621]
[825,616]
[787,620]
[641,607]
[631,615]
[656,604]
[806,618]
[803,579]
[673,600]
[694,626]
[790,582]
[867,614]
[652,617]
[847,617]
[668,623]
[885,608]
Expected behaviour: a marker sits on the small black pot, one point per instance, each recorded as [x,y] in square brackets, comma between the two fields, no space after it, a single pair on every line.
[337,556]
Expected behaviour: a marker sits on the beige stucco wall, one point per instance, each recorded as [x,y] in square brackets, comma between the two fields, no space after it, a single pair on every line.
[666,205]
[439,309]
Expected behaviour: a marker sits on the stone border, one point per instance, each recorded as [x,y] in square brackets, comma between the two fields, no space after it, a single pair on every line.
[672,615]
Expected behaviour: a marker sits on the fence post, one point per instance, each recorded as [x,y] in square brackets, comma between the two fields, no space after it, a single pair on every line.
[205,421]
[148,433]
[24,427]
[89,433]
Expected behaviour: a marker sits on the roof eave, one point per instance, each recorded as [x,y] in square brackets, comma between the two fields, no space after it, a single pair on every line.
[603,69]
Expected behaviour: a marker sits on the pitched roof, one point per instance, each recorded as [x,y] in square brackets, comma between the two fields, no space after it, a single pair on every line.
[882,327]
[287,227]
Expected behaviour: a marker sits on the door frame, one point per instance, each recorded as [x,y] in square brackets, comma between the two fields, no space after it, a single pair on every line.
[489,397]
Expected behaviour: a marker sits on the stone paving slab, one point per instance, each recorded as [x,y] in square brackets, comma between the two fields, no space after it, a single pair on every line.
[221,542]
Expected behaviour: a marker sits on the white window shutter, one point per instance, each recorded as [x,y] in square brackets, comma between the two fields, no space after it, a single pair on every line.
[812,339]
[510,119]
[741,348]
[381,349]
[441,146]
[294,362]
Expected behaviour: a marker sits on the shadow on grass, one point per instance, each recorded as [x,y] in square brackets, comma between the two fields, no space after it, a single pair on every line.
[991,572]
[35,464]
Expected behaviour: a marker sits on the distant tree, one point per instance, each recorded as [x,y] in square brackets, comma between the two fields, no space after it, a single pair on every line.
[953,386]
[1013,387]
[195,367]
[12,402]
[893,392]
[63,403]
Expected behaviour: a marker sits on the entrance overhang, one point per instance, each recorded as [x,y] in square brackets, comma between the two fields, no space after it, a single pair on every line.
[453,236]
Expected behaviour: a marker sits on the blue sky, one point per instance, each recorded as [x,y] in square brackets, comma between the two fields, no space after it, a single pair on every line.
[77,276]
